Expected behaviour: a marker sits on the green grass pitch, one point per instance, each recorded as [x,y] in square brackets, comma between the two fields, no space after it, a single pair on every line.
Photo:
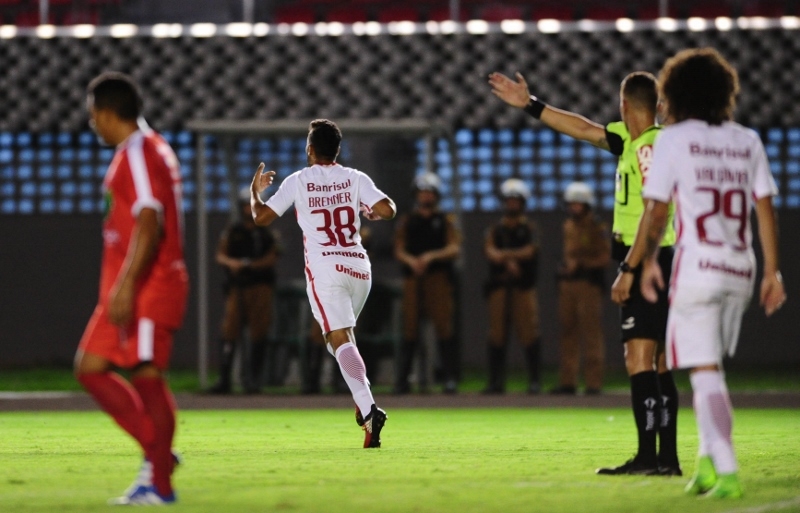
[456,460]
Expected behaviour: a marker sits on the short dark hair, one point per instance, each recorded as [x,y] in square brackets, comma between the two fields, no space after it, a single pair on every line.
[699,84]
[118,92]
[325,137]
[641,88]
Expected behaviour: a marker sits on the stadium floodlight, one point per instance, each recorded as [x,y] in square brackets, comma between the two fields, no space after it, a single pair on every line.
[122,30]
[432,27]
[402,28]
[448,27]
[203,30]
[512,26]
[260,29]
[8,31]
[723,23]
[624,24]
[586,25]
[696,24]
[239,29]
[299,29]
[162,30]
[335,29]
[83,31]
[373,28]
[477,27]
[667,24]
[790,22]
[46,31]
[548,26]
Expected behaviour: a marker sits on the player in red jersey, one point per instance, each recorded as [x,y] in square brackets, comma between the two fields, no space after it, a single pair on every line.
[143,285]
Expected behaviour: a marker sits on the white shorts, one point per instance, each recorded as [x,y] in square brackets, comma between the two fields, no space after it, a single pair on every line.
[703,326]
[337,293]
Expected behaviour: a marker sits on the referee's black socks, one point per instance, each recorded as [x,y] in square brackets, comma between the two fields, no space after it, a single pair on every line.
[646,403]
[668,428]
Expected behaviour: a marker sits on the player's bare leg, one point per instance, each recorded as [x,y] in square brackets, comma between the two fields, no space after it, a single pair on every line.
[716,471]
[341,343]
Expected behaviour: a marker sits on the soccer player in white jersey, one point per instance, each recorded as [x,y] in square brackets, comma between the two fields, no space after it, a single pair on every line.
[328,198]
[715,171]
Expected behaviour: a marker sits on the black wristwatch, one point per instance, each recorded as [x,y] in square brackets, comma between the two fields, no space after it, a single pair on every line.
[625,267]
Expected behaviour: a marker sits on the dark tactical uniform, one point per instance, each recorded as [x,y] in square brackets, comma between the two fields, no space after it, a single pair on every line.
[513,302]
[429,295]
[248,300]
[586,242]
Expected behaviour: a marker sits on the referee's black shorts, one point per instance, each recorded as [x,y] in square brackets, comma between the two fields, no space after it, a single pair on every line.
[640,318]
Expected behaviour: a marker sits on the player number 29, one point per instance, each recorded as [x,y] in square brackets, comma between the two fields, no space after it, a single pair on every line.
[732,204]
[335,223]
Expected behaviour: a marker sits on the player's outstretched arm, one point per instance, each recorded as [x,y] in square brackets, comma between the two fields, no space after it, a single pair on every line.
[772,293]
[516,94]
[262,214]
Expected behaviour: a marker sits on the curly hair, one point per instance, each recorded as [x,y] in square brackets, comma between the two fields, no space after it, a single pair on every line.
[699,84]
[325,137]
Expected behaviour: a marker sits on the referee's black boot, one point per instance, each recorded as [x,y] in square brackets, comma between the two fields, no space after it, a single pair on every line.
[633,467]
[223,384]
[497,364]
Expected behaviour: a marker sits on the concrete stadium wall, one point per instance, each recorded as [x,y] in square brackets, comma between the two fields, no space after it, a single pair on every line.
[49,277]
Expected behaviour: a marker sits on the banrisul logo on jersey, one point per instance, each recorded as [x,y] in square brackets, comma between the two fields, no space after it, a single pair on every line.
[108,203]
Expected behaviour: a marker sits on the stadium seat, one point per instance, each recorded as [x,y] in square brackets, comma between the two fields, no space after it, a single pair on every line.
[398,13]
[769,9]
[500,12]
[562,12]
[31,19]
[709,9]
[294,14]
[347,15]
[442,13]
[606,13]
[651,11]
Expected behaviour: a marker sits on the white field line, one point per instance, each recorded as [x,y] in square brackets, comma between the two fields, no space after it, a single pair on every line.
[772,506]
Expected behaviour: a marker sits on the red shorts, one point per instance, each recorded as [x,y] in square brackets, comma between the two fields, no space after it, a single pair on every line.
[144,341]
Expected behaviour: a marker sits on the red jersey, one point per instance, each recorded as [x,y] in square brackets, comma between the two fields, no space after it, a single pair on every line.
[145,173]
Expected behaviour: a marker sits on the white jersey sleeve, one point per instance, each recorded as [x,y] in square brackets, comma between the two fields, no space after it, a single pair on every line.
[763,181]
[285,195]
[368,192]
[661,178]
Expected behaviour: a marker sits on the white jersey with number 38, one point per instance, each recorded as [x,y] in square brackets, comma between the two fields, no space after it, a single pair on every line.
[328,199]
[714,174]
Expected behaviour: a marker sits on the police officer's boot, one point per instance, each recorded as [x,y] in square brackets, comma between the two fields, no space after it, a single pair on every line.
[223,384]
[497,368]
[405,360]
[313,368]
[533,355]
[258,350]
[448,354]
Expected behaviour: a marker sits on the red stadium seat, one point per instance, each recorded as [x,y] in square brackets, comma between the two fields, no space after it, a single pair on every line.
[500,12]
[766,9]
[709,10]
[605,13]
[80,18]
[294,14]
[346,15]
[398,13]
[565,13]
[31,19]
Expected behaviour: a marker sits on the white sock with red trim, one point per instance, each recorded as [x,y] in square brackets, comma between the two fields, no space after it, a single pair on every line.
[712,407]
[355,375]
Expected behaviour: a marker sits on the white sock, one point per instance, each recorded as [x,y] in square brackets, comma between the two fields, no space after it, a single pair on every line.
[355,375]
[714,413]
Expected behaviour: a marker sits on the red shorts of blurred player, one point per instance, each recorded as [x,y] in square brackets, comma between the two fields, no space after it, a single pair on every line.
[145,340]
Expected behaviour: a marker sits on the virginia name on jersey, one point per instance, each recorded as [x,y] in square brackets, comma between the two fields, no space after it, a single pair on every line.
[714,174]
[328,200]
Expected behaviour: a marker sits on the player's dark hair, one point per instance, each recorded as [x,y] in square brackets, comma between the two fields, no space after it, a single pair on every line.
[699,84]
[118,92]
[325,137]
[641,88]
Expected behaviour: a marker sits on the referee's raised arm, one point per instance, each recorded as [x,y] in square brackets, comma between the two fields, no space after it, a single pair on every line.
[516,94]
